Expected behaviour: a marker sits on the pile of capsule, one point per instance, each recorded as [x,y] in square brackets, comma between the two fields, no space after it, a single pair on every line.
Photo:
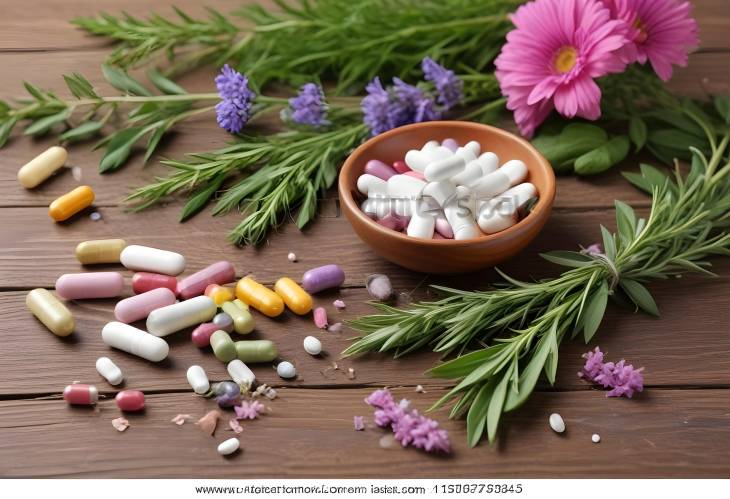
[169,305]
[446,191]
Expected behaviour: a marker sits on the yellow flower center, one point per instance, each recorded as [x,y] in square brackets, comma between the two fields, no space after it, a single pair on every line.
[565,59]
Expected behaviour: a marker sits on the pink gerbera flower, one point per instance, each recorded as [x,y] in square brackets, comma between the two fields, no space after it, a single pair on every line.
[660,31]
[552,57]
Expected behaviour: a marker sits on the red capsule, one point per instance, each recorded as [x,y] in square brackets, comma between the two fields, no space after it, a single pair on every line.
[130,400]
[201,334]
[78,394]
[146,281]
[401,167]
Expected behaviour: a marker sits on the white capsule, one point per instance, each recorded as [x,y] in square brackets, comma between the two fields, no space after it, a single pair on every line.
[148,259]
[135,341]
[489,162]
[368,184]
[42,167]
[501,212]
[470,174]
[516,170]
[557,423]
[286,370]
[376,207]
[405,186]
[430,145]
[441,192]
[467,199]
[198,379]
[491,185]
[167,320]
[419,160]
[240,373]
[473,147]
[445,168]
[312,345]
[109,370]
[461,220]
[421,225]
[229,446]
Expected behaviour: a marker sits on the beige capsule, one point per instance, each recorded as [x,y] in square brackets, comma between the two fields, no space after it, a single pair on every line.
[51,312]
[100,251]
[42,166]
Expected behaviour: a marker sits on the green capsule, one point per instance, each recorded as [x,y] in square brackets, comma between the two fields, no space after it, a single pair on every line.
[241,304]
[243,321]
[223,346]
[256,350]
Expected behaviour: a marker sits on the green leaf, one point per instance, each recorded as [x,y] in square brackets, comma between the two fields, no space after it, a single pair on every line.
[603,157]
[464,364]
[637,132]
[154,140]
[640,296]
[5,129]
[119,147]
[163,84]
[36,92]
[308,209]
[551,365]
[567,258]
[722,105]
[80,86]
[81,132]
[476,419]
[573,141]
[593,314]
[638,181]
[653,176]
[122,81]
[529,376]
[496,404]
[609,243]
[674,140]
[43,125]
[4,108]
[626,221]
[198,201]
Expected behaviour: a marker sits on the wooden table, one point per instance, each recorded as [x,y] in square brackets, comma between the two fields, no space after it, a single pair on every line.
[678,427]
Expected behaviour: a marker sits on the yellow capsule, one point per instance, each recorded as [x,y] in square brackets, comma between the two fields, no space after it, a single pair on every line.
[240,304]
[100,251]
[51,312]
[243,322]
[42,166]
[71,203]
[219,294]
[259,297]
[298,300]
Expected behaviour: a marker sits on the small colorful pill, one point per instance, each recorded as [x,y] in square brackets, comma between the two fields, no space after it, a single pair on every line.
[146,281]
[109,370]
[138,307]
[259,297]
[223,321]
[100,251]
[223,347]
[80,394]
[71,203]
[320,317]
[90,285]
[135,341]
[379,169]
[130,400]
[324,277]
[136,257]
[198,379]
[243,322]
[42,167]
[219,294]
[227,393]
[286,370]
[228,447]
[201,334]
[254,351]
[312,345]
[167,320]
[217,273]
[400,167]
[50,311]
[298,300]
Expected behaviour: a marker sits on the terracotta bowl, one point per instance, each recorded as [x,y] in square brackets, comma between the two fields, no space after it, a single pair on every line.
[446,256]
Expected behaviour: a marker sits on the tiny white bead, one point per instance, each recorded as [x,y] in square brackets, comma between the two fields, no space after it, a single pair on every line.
[312,345]
[596,438]
[228,446]
[557,423]
[291,257]
[286,370]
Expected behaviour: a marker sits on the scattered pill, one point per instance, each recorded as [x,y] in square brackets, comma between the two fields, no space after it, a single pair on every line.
[147,259]
[378,286]
[286,370]
[243,321]
[217,273]
[312,345]
[130,400]
[198,379]
[339,304]
[223,321]
[80,394]
[219,294]
[253,351]
[109,370]
[42,167]
[90,285]
[50,311]
[379,169]
[100,251]
[135,341]
[71,203]
[335,328]
[298,300]
[324,277]
[259,297]
[557,423]
[240,304]
[167,320]
[228,447]
[95,216]
[291,257]
[120,424]
[76,173]
[595,438]
[201,334]
[223,347]
[138,307]
[227,393]
[145,281]
[240,373]
[320,317]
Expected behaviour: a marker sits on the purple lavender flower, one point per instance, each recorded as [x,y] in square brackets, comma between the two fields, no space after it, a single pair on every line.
[233,85]
[623,379]
[594,363]
[449,87]
[309,107]
[400,105]
[230,117]
[234,111]
[376,107]
[249,410]
[593,249]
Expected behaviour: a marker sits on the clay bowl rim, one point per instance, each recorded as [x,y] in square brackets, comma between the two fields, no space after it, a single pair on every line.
[544,203]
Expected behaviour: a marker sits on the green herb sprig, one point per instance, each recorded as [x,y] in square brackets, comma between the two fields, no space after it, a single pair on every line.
[521,324]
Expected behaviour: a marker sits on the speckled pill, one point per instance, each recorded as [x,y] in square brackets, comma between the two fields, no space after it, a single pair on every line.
[71,203]
[223,347]
[40,168]
[145,281]
[80,394]
[243,322]
[219,294]
[259,297]
[138,307]
[556,422]
[130,400]
[298,300]
[216,273]
[253,351]
[223,321]
[201,334]
[312,345]
[50,311]
[90,285]
[324,277]
[100,251]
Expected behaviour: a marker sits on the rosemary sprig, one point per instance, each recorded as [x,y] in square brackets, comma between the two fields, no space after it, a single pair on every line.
[522,324]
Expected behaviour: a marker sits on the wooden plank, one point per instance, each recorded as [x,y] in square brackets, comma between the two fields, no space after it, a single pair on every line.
[309,433]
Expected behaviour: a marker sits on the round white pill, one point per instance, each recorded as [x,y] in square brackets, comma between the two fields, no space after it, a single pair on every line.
[557,423]
[291,257]
[228,446]
[109,370]
[312,346]
[596,438]
[286,370]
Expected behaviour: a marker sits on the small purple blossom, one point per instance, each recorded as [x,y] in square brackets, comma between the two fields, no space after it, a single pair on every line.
[233,85]
[375,105]
[623,379]
[396,106]
[249,410]
[449,87]
[593,250]
[234,111]
[309,107]
[230,117]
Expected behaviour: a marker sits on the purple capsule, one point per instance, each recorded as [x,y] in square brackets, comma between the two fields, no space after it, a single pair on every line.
[394,222]
[324,277]
[223,321]
[379,169]
[227,394]
[450,144]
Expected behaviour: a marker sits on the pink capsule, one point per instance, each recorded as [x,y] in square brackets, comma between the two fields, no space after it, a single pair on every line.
[139,307]
[400,167]
[90,285]
[146,281]
[415,174]
[443,228]
[130,400]
[201,334]
[450,144]
[217,273]
[78,394]
[394,222]
[436,235]
[379,169]
[320,317]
